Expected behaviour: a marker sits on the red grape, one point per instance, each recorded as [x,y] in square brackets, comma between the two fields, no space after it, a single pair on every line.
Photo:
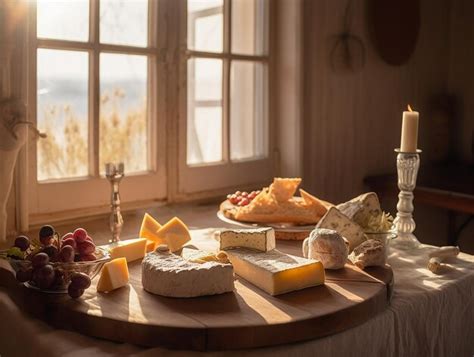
[22,242]
[52,252]
[73,292]
[234,199]
[46,240]
[244,194]
[252,195]
[58,278]
[69,241]
[66,254]
[80,281]
[44,277]
[244,202]
[85,248]
[24,275]
[80,235]
[46,231]
[67,236]
[88,257]
[39,260]
[237,193]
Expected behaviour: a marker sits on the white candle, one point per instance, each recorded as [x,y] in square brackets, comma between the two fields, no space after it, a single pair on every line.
[409,141]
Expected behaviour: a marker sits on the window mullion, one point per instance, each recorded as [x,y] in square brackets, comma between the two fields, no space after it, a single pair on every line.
[94,89]
[226,81]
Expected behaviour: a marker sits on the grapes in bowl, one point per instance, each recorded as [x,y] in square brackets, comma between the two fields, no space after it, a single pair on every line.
[51,263]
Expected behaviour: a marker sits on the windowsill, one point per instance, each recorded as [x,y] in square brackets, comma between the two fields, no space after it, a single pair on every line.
[194,215]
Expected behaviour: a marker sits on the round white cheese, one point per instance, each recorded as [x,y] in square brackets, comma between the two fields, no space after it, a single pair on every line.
[327,246]
[167,274]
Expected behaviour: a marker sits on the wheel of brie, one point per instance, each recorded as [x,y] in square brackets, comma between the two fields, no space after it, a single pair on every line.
[167,274]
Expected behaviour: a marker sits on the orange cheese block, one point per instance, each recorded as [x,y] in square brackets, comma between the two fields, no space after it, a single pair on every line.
[131,249]
[148,230]
[150,246]
[174,233]
[114,275]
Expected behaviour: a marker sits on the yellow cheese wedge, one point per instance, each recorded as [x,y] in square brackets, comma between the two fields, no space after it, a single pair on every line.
[174,233]
[149,228]
[114,275]
[131,249]
[150,246]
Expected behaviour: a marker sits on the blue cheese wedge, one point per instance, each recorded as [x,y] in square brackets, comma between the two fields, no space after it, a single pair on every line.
[261,239]
[275,272]
[361,208]
[339,222]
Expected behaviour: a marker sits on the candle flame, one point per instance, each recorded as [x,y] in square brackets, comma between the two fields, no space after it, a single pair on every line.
[409,108]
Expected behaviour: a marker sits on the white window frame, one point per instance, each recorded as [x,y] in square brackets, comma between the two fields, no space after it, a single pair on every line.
[199,180]
[92,193]
[169,178]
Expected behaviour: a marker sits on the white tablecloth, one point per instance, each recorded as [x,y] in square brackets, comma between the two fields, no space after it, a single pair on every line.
[430,315]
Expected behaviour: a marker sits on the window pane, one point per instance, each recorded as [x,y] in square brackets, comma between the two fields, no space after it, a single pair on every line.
[124,22]
[205,25]
[249,26]
[123,111]
[248,106]
[62,107]
[63,19]
[204,129]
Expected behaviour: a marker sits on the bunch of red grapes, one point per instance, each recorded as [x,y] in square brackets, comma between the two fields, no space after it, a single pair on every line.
[72,247]
[242,198]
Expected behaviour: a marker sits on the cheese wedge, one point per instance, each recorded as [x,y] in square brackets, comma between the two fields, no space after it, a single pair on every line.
[150,246]
[174,234]
[339,222]
[149,228]
[362,208]
[114,275]
[275,272]
[262,239]
[131,249]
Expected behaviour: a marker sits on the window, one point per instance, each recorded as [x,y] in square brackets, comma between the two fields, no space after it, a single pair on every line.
[227,97]
[106,71]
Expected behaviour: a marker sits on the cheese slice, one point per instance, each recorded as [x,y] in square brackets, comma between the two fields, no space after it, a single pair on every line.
[337,221]
[174,234]
[149,228]
[262,239]
[150,246]
[275,272]
[361,208]
[167,274]
[131,249]
[114,275]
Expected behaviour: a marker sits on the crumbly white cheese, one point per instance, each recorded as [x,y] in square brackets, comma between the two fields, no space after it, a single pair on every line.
[369,253]
[276,272]
[262,239]
[170,275]
[337,221]
[327,246]
[361,208]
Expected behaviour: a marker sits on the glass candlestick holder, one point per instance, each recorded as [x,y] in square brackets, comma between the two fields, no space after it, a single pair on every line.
[114,173]
[408,164]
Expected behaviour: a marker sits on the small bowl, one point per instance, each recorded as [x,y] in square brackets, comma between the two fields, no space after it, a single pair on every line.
[91,268]
[384,238]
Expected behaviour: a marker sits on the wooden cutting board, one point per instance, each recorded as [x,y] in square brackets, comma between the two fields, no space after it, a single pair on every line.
[245,318]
